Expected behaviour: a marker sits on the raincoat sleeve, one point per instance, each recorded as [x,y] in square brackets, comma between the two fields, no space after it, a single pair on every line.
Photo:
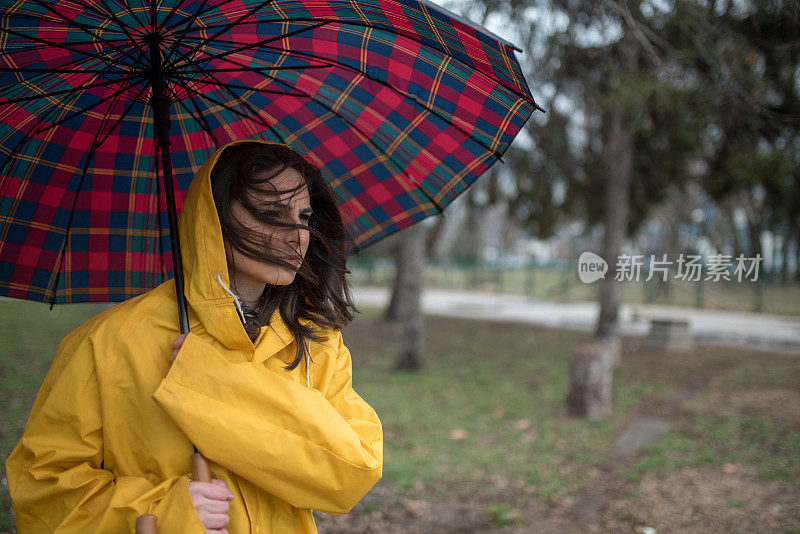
[56,476]
[312,450]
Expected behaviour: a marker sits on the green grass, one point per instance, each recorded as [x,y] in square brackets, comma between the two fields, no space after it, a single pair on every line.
[716,429]
[31,335]
[503,516]
[486,405]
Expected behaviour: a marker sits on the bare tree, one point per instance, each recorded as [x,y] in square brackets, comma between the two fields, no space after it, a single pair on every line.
[617,160]
[406,305]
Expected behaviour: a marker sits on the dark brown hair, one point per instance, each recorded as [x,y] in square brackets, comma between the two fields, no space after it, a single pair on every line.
[320,292]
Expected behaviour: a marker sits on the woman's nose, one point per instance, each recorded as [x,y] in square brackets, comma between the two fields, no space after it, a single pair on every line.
[297,236]
[302,236]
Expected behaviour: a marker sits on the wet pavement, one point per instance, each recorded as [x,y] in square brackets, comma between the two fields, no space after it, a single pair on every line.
[718,327]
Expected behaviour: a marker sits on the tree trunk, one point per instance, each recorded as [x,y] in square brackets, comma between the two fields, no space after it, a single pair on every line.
[796,252]
[590,376]
[785,251]
[617,161]
[434,236]
[401,273]
[405,275]
[754,233]
[407,298]
[412,343]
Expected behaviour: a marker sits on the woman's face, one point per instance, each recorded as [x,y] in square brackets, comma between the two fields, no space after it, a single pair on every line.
[288,244]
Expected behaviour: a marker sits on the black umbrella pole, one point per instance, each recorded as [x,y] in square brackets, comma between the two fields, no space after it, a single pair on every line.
[201,471]
[161,120]
[161,124]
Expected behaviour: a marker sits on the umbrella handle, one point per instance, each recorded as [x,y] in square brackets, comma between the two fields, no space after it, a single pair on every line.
[147,524]
[201,471]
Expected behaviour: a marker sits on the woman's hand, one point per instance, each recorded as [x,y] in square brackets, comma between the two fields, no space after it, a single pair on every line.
[176,344]
[211,500]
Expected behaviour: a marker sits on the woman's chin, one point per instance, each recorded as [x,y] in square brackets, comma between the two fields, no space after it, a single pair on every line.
[283,278]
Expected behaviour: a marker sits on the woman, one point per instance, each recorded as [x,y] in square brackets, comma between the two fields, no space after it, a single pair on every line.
[261,384]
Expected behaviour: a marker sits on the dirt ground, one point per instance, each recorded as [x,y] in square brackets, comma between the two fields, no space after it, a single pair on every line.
[731,498]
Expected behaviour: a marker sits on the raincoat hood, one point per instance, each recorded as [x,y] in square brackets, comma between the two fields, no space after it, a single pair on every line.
[205,268]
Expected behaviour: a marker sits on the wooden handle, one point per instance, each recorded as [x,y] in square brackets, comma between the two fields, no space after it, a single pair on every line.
[147,524]
[201,472]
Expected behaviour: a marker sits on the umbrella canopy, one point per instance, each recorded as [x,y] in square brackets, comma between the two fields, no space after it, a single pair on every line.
[401,104]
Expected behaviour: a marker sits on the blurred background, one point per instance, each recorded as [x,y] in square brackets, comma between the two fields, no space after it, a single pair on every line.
[518,396]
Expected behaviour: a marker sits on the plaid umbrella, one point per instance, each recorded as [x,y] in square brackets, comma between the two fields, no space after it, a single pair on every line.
[401,103]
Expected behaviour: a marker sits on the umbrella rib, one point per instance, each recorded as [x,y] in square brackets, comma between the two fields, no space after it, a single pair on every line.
[369,140]
[245,47]
[393,31]
[205,127]
[9,50]
[123,5]
[53,284]
[55,106]
[34,18]
[199,12]
[202,10]
[252,110]
[42,75]
[258,70]
[124,114]
[255,118]
[355,128]
[25,138]
[247,88]
[216,82]
[226,28]
[72,90]
[62,71]
[62,46]
[80,111]
[204,122]
[99,15]
[43,18]
[410,96]
[154,16]
[82,27]
[172,12]
[110,13]
[191,20]
[241,67]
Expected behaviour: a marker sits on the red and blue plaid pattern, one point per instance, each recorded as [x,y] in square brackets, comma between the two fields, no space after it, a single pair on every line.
[402,104]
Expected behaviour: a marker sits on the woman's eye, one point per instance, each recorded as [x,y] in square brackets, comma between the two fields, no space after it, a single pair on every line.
[305,217]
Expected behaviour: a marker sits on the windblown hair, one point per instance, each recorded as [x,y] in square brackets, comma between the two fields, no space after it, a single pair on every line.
[320,292]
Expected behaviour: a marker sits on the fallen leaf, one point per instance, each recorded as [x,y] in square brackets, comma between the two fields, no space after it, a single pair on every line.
[522,424]
[729,468]
[458,433]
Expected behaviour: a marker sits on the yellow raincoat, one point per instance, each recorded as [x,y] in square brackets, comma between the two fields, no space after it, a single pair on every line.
[110,434]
